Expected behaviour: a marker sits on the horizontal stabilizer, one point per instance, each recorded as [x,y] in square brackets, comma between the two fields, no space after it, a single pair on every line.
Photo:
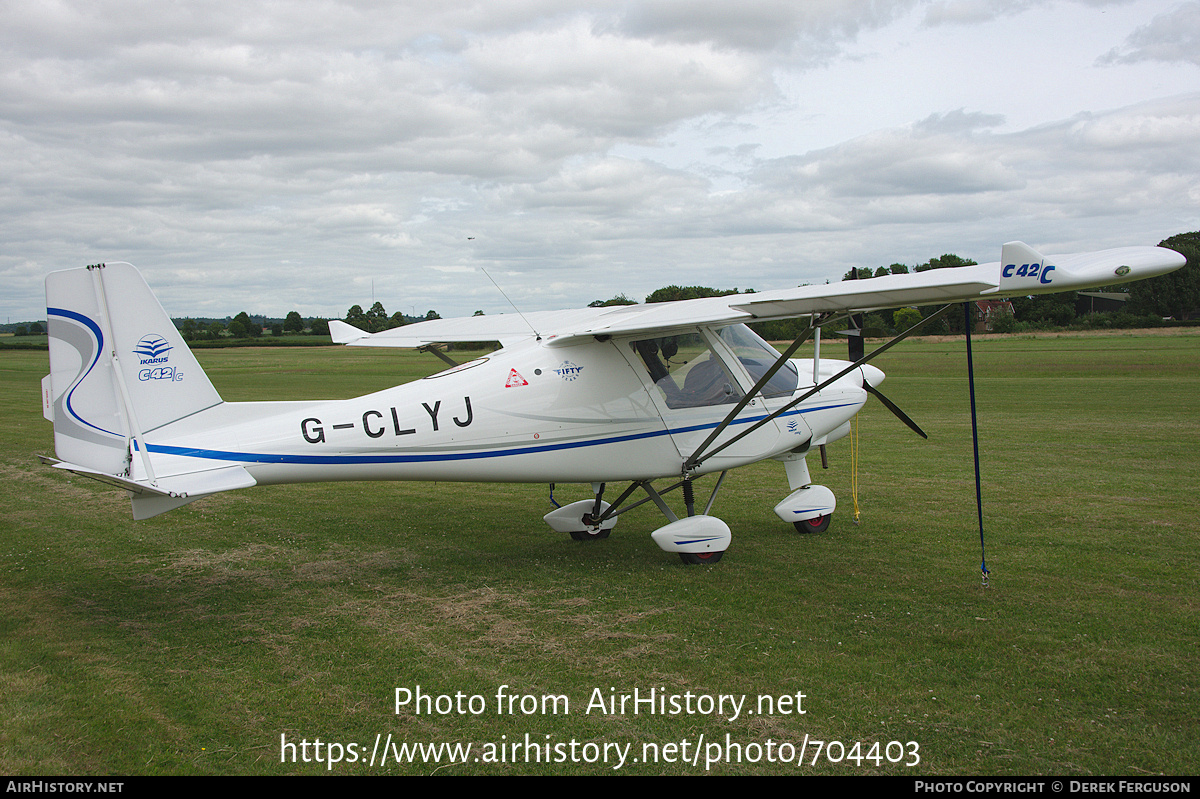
[508,329]
[166,493]
[207,482]
[184,488]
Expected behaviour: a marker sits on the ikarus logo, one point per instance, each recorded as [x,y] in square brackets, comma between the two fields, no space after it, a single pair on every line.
[152,348]
[153,351]
[568,371]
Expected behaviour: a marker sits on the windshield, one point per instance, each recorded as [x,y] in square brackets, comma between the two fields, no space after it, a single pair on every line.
[758,356]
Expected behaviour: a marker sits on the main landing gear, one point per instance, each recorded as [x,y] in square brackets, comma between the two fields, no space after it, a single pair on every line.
[585,520]
[590,534]
[696,538]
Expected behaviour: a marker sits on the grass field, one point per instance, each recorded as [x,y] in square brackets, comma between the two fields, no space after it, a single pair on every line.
[191,642]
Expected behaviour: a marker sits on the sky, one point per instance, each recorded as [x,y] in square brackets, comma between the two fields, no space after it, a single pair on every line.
[310,156]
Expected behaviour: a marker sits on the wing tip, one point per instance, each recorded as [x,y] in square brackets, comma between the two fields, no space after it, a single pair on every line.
[343,333]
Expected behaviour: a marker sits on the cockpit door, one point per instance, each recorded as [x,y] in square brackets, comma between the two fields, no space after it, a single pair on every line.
[695,379]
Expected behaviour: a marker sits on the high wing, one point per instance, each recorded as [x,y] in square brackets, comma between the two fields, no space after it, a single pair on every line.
[1021,271]
[508,329]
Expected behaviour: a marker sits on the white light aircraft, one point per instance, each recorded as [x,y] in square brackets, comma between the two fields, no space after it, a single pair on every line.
[600,395]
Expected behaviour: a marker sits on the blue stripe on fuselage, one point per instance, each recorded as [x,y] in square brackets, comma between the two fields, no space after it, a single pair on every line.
[314,460]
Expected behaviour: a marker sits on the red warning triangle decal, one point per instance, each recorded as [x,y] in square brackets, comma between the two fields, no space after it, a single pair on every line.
[515,379]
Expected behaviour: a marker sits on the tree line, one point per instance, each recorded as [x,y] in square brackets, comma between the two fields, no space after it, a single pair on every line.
[377,319]
[245,326]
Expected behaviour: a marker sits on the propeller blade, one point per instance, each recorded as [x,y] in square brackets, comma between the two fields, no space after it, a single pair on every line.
[891,406]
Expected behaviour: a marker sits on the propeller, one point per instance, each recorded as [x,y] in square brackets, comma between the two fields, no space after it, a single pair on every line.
[891,406]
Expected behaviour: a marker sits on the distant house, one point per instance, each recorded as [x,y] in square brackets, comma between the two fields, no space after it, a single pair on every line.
[987,310]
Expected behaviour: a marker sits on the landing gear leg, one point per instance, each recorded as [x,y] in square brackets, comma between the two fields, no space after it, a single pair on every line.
[809,507]
[697,539]
[593,530]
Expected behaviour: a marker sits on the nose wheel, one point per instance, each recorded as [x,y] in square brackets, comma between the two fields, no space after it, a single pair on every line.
[700,558]
[817,524]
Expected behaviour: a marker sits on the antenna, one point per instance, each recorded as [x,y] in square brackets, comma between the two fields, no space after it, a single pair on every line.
[513,304]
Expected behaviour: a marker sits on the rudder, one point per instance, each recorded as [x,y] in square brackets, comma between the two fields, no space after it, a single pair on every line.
[118,368]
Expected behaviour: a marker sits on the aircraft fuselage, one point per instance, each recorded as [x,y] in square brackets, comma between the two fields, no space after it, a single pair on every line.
[532,413]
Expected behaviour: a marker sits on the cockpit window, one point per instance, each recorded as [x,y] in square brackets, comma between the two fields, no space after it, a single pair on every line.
[687,372]
[758,356]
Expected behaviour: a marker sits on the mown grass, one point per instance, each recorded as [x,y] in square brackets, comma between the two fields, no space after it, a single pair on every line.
[190,642]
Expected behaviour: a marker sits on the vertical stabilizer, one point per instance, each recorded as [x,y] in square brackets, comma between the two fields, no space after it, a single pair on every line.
[118,369]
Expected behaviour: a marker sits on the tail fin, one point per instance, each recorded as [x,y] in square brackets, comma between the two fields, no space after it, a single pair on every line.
[118,369]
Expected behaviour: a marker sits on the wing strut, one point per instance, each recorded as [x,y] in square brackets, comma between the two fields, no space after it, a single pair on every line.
[615,508]
[753,392]
[699,456]
[433,348]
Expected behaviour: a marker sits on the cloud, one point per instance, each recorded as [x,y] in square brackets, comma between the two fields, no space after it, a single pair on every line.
[760,25]
[1171,37]
[609,85]
[972,12]
[959,121]
[231,149]
[969,12]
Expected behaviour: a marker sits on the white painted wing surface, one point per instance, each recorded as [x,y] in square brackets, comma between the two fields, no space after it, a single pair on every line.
[1021,271]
